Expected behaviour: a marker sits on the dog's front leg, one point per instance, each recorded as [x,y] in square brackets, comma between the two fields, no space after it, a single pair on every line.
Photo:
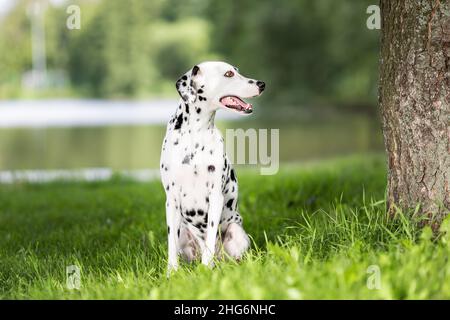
[173,224]
[214,213]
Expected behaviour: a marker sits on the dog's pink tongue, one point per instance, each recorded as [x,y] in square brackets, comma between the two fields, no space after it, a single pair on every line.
[237,102]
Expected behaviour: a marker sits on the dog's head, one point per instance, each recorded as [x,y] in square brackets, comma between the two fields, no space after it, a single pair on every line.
[219,85]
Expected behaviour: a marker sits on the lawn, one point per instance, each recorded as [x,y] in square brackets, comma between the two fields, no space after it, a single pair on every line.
[319,230]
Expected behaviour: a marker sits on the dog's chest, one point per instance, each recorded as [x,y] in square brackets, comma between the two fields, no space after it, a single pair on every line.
[191,159]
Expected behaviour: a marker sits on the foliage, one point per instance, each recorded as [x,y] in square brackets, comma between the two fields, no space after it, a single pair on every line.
[307,51]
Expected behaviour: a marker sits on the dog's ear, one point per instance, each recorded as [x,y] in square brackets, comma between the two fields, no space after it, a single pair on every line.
[187,85]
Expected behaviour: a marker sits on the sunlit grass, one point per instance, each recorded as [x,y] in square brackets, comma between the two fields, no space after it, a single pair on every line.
[316,229]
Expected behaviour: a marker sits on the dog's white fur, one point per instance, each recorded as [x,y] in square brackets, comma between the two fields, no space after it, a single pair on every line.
[201,186]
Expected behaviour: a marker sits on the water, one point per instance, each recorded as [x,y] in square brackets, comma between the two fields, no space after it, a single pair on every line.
[137,146]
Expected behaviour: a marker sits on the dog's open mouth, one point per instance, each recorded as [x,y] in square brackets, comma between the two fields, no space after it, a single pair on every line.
[236,103]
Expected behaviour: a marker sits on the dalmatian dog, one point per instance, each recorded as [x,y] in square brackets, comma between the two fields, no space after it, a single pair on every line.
[202,215]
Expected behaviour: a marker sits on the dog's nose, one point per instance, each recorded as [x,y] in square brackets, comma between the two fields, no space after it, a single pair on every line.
[261,85]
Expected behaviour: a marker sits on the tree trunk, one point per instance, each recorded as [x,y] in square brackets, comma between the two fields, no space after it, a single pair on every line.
[414,99]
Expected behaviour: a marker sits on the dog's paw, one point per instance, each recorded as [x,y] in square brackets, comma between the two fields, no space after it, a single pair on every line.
[171,268]
[236,242]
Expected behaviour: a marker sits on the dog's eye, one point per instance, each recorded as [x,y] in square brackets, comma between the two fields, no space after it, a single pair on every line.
[229,74]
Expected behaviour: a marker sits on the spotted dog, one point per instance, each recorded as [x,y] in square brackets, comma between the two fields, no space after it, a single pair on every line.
[203,219]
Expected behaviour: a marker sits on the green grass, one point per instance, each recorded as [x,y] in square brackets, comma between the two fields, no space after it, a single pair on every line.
[316,229]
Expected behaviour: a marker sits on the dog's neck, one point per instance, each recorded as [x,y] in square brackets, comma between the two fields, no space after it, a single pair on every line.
[193,117]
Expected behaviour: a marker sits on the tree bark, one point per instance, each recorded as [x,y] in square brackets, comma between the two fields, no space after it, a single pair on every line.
[414,97]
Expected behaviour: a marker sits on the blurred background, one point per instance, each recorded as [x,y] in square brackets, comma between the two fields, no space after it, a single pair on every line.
[101,95]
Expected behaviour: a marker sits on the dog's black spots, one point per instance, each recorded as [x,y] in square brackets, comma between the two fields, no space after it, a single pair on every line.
[175,143]
[203,148]
[168,230]
[167,187]
[207,184]
[229,219]
[192,156]
[200,212]
[184,84]
[211,151]
[195,172]
[232,175]
[185,118]
[212,186]
[186,160]
[173,183]
[179,122]
[189,220]
[251,81]
[212,223]
[230,203]
[226,191]
[184,194]
[184,77]
[199,110]
[187,107]
[195,70]
[190,213]
[232,189]
[200,98]
[178,232]
[165,168]
[162,165]
[198,225]
[204,225]
[196,145]
[207,199]
[211,168]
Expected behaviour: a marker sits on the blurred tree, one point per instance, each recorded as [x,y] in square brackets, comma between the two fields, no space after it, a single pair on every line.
[15,49]
[305,50]
[110,55]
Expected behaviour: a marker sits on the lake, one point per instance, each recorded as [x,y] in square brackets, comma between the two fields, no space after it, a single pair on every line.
[302,136]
